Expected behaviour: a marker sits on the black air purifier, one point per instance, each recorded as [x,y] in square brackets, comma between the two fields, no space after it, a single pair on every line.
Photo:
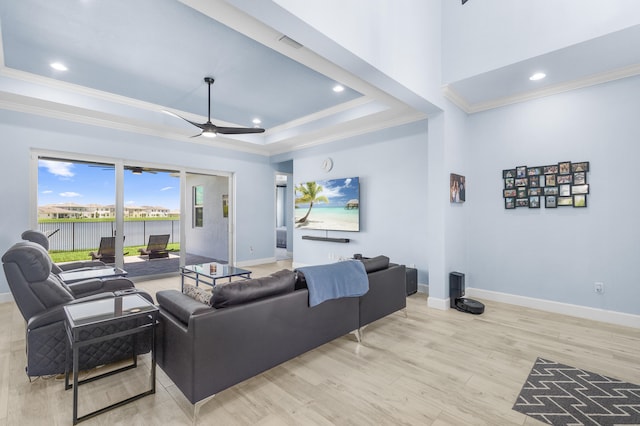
[456,296]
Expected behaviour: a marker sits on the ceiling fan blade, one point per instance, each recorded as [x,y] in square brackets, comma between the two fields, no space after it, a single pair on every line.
[188,121]
[238,130]
[209,129]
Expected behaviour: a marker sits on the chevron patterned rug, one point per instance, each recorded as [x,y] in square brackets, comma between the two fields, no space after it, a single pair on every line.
[557,394]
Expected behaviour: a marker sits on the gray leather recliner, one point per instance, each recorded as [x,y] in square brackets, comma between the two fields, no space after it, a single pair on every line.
[41,295]
[40,238]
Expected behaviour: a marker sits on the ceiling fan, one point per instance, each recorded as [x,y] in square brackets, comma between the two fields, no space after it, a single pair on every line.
[136,170]
[209,129]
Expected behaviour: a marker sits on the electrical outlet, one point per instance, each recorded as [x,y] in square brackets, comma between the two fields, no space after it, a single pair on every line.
[599,287]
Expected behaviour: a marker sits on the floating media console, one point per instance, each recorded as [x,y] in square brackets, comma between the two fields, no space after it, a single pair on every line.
[333,240]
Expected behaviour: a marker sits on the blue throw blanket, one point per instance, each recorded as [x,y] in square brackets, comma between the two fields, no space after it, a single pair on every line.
[335,280]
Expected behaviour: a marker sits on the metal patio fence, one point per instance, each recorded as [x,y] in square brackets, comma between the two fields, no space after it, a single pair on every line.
[73,236]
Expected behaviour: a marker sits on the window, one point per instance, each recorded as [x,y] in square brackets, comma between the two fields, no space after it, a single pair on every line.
[198,206]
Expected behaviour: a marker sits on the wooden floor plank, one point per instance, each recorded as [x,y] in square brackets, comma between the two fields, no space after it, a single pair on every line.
[432,367]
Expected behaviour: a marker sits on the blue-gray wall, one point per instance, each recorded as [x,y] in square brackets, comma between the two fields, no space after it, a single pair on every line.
[391,166]
[21,133]
[558,254]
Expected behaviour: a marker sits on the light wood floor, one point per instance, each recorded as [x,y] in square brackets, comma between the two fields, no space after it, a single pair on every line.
[430,368]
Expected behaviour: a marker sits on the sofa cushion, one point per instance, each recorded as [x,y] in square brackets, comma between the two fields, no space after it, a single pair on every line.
[374,264]
[180,305]
[239,292]
[197,293]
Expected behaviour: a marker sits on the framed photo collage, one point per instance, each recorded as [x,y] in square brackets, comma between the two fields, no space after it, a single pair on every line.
[557,185]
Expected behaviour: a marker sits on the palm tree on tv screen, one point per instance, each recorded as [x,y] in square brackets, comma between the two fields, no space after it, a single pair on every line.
[309,191]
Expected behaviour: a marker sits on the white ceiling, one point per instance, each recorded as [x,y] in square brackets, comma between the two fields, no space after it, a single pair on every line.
[130,59]
[598,60]
[152,55]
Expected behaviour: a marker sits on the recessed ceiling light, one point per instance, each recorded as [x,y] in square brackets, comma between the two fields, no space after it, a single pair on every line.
[257,121]
[58,66]
[338,88]
[537,76]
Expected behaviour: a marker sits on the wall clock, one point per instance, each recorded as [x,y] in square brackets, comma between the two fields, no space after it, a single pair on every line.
[327,164]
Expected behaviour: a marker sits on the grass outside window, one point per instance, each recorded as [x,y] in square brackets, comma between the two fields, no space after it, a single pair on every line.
[72,256]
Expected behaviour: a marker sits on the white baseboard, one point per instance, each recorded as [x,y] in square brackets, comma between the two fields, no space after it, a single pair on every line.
[432,302]
[252,262]
[6,297]
[442,304]
[602,315]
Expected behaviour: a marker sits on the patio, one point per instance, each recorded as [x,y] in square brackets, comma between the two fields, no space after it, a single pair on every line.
[140,266]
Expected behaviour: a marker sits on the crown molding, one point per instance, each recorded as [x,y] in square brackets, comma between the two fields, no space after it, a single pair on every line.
[449,93]
[382,120]
[592,80]
[44,108]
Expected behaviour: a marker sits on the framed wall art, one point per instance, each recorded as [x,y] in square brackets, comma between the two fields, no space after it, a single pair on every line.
[565,201]
[550,202]
[562,184]
[580,200]
[457,188]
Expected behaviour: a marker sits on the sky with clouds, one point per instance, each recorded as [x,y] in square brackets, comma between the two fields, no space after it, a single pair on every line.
[65,182]
[338,191]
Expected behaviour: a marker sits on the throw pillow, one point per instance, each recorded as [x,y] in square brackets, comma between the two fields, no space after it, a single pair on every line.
[197,293]
[374,264]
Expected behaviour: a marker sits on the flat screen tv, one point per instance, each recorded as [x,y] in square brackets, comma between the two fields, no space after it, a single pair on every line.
[330,205]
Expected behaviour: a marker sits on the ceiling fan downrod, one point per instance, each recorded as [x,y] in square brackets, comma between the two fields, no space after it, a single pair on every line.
[209,81]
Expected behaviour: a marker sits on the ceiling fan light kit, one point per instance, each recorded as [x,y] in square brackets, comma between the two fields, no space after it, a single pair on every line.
[209,129]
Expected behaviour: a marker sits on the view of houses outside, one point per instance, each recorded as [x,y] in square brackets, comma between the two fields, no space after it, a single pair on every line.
[98,211]
[76,204]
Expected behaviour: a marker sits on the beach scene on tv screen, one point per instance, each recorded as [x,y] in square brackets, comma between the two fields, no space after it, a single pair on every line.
[332,205]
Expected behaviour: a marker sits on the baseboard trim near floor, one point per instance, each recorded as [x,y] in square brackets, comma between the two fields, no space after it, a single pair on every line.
[6,298]
[441,304]
[253,262]
[602,315]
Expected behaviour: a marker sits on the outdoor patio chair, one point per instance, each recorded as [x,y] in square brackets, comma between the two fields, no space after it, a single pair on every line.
[157,247]
[41,238]
[107,250]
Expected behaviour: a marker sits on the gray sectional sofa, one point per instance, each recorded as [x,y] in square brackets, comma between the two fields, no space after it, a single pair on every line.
[205,349]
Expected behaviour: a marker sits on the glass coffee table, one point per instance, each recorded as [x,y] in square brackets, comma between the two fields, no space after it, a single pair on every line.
[210,273]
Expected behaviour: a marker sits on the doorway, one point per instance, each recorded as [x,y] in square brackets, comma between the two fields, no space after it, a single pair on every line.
[284,217]
[207,218]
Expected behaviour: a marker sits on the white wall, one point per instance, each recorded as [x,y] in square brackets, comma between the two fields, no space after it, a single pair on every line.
[401,39]
[484,35]
[558,254]
[21,133]
[458,161]
[391,165]
[212,239]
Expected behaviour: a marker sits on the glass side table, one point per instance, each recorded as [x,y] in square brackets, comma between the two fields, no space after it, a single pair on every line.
[85,274]
[131,314]
[209,273]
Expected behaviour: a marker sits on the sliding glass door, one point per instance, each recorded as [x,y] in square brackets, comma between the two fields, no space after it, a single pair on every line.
[151,225]
[130,215]
[76,208]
